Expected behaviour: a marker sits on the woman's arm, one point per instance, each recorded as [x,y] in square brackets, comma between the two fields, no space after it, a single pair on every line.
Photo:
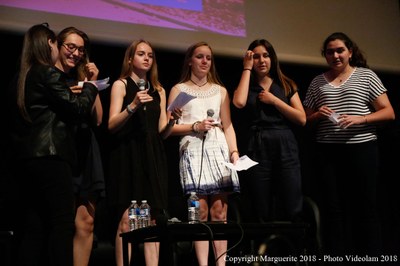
[118,118]
[293,111]
[97,111]
[242,90]
[228,128]
[177,129]
[383,110]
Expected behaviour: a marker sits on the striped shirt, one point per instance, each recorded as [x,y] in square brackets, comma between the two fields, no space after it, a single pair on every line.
[353,97]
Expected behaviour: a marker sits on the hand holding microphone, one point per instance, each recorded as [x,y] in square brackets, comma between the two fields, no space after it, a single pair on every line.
[142,84]
[142,94]
[206,124]
[210,114]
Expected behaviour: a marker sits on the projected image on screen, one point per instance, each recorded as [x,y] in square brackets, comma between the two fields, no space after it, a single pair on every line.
[195,5]
[222,17]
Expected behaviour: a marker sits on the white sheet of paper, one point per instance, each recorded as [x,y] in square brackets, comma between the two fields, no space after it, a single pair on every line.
[180,100]
[243,163]
[101,84]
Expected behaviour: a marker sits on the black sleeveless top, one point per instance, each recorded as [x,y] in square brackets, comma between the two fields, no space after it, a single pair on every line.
[138,163]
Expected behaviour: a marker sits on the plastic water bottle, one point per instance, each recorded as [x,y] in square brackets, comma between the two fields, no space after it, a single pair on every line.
[133,214]
[193,208]
[145,216]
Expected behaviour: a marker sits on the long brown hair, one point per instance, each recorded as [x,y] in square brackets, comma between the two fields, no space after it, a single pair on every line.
[289,86]
[212,75]
[126,70]
[80,72]
[35,51]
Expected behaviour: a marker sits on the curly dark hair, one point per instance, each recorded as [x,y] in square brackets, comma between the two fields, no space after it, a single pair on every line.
[358,59]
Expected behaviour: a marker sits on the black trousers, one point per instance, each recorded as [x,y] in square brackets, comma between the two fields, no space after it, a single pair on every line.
[45,211]
[275,183]
[348,182]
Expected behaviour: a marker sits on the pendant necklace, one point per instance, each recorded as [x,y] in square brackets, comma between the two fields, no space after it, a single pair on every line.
[198,84]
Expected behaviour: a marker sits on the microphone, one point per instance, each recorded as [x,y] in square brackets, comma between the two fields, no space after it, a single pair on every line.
[210,114]
[142,86]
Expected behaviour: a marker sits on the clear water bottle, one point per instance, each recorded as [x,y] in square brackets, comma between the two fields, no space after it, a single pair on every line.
[193,208]
[145,216]
[133,214]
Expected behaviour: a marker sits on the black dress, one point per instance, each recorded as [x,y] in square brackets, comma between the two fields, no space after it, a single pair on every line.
[88,173]
[138,163]
[88,179]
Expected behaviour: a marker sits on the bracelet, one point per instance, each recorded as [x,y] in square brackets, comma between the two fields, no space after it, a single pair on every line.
[235,151]
[129,109]
[246,69]
[194,127]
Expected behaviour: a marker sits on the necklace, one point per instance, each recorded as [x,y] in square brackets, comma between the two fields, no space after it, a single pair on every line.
[198,84]
[344,75]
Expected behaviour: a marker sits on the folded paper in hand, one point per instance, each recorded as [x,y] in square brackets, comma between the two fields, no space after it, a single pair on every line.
[334,117]
[180,100]
[243,163]
[100,84]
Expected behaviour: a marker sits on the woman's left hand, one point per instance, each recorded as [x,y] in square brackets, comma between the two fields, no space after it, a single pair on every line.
[76,89]
[234,157]
[92,71]
[348,120]
[176,113]
[267,97]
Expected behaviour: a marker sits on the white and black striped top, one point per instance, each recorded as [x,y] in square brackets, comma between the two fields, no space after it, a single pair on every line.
[352,97]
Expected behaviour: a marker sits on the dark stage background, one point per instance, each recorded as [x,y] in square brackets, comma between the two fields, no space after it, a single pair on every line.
[108,59]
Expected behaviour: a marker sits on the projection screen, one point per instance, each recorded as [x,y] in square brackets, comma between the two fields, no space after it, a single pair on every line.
[296,28]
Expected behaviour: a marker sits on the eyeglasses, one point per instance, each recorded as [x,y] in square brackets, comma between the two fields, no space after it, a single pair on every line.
[72,48]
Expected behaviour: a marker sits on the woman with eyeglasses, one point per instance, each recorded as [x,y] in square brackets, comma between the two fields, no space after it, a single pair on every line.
[88,179]
[44,150]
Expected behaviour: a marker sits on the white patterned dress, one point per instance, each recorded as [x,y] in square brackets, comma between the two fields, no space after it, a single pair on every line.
[201,156]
